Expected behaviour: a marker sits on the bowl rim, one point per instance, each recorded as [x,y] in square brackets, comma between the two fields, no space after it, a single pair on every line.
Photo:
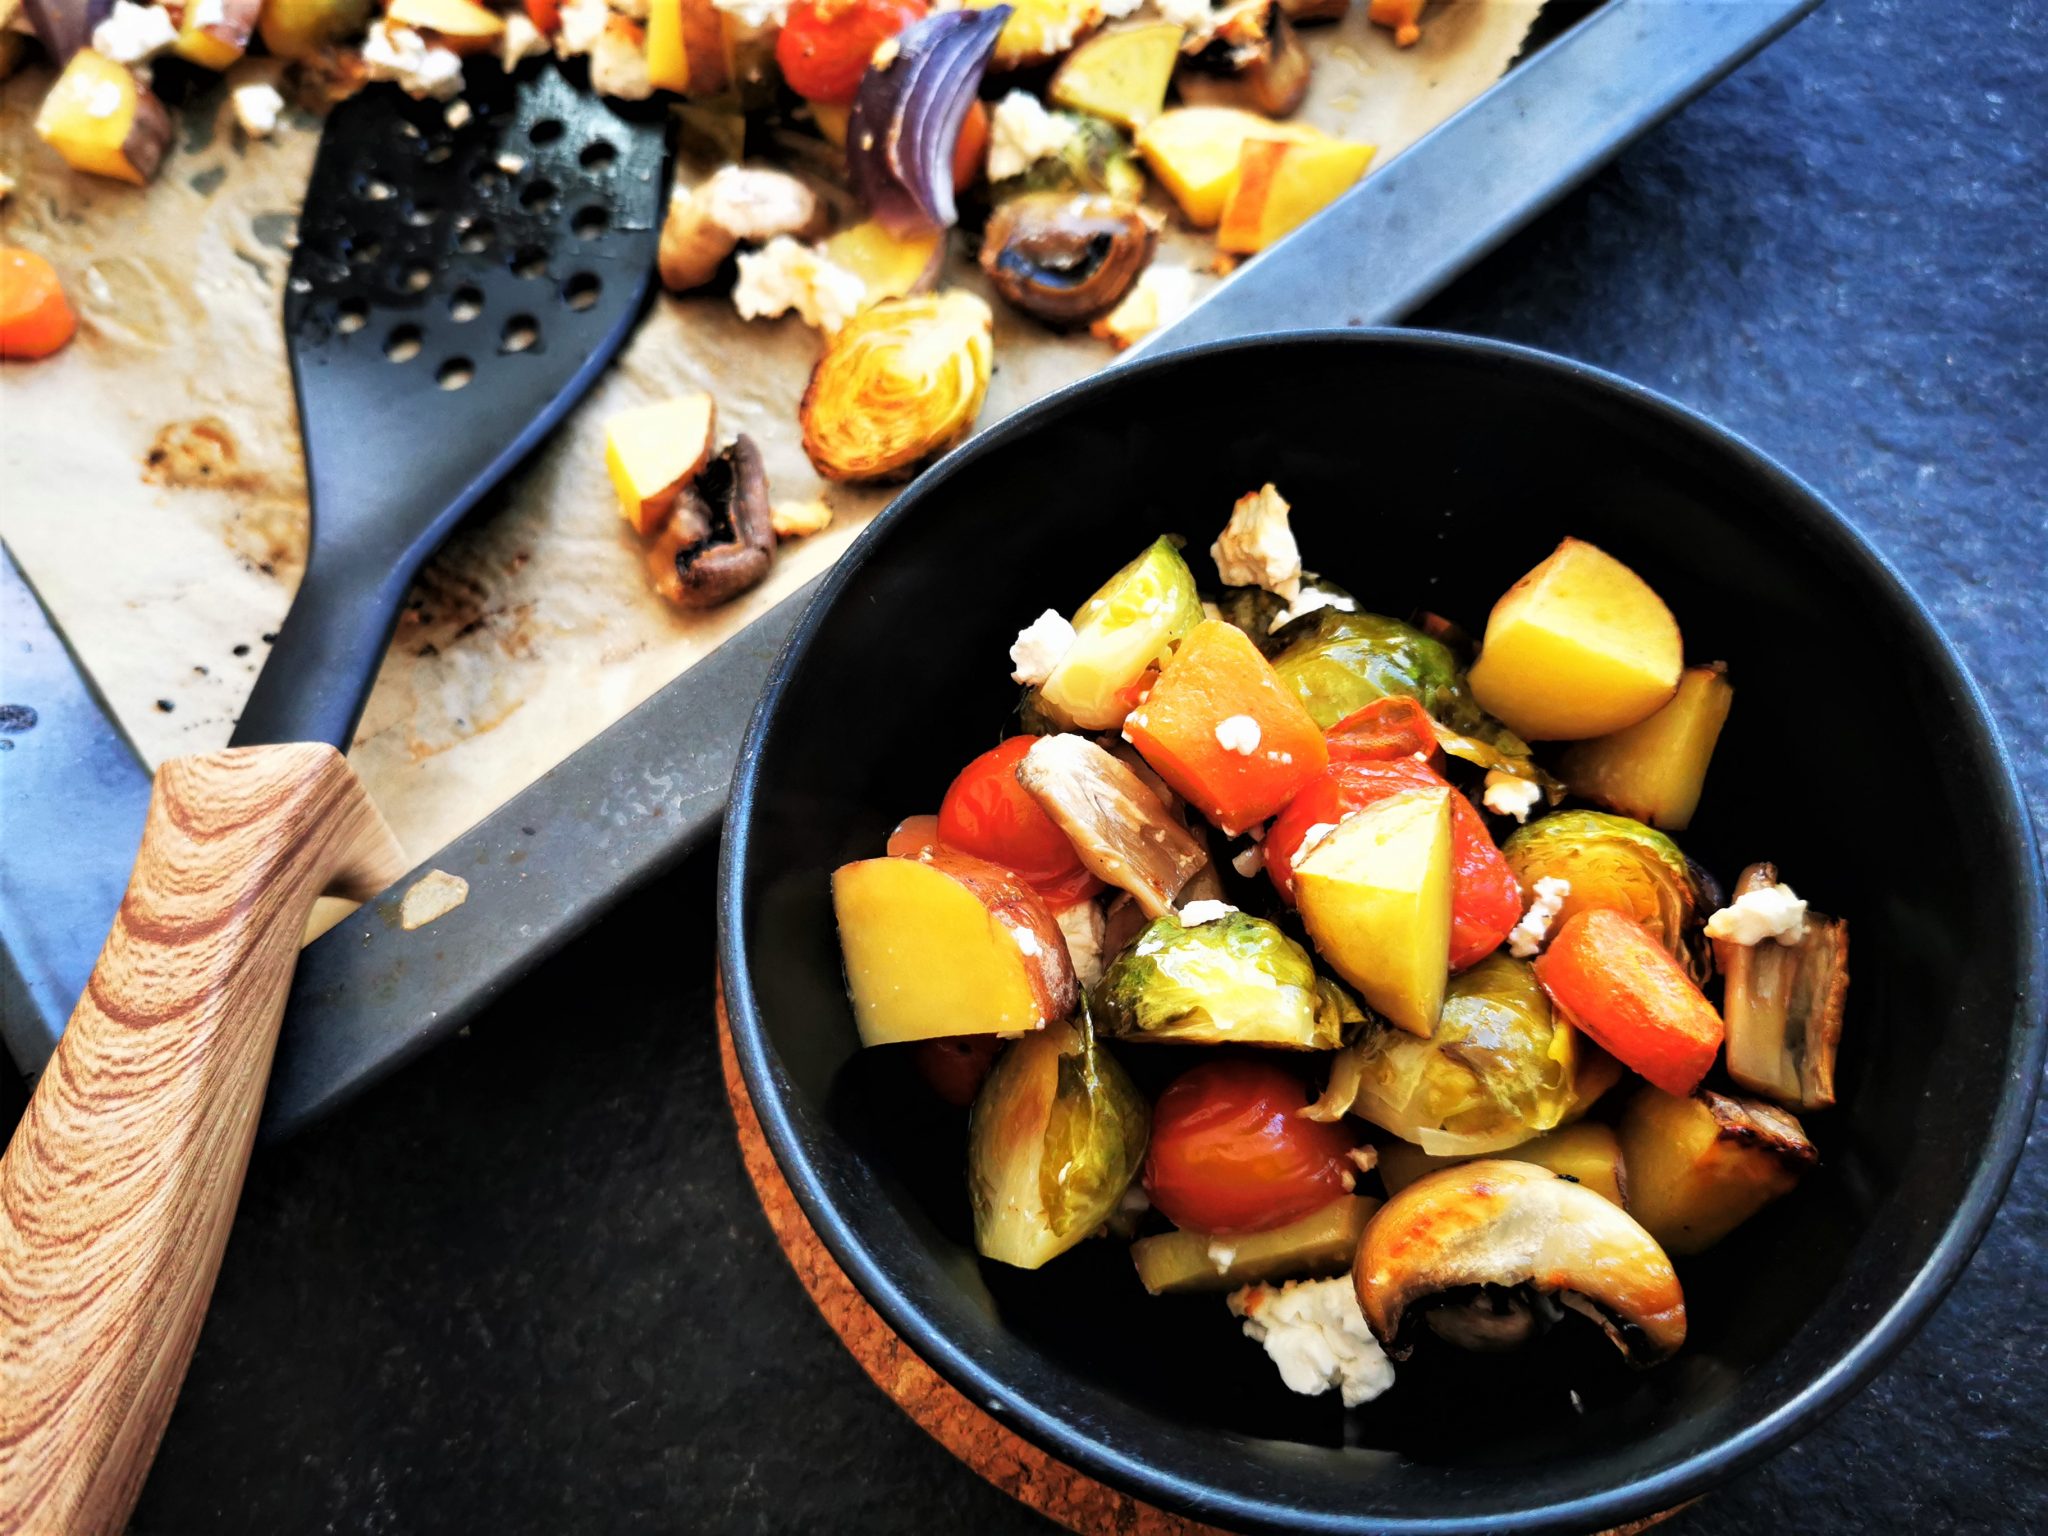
[1883,1337]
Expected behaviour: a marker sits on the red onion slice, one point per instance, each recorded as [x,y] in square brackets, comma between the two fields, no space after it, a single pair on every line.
[907,116]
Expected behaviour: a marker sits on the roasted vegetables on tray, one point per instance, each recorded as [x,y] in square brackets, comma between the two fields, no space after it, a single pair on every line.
[1431,1056]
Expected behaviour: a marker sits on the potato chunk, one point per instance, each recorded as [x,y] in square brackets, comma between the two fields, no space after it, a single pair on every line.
[1281,185]
[1655,769]
[101,121]
[1194,152]
[1581,646]
[1120,76]
[1320,1243]
[948,945]
[653,451]
[1585,1154]
[1699,1167]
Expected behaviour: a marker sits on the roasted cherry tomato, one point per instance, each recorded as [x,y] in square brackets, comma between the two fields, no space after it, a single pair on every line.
[1486,899]
[1232,1153]
[956,1065]
[989,814]
[825,46]
[1384,730]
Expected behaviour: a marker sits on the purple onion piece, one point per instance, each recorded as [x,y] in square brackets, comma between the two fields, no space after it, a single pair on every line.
[907,116]
[65,26]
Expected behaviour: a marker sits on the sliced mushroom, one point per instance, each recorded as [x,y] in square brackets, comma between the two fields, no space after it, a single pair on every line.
[718,542]
[1253,60]
[1513,1226]
[1121,831]
[1783,1004]
[738,203]
[1065,259]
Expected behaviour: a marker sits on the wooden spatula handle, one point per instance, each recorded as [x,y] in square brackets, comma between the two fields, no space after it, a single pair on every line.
[119,1186]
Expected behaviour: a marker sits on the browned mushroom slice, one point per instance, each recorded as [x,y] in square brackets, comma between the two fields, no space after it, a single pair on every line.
[1065,259]
[1495,1229]
[1253,61]
[1783,1004]
[1120,829]
[718,542]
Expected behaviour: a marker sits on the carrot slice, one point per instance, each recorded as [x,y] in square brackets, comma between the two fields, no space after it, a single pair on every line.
[1224,732]
[35,317]
[1623,988]
[1385,729]
[546,16]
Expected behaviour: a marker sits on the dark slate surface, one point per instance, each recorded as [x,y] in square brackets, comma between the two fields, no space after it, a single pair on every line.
[525,1288]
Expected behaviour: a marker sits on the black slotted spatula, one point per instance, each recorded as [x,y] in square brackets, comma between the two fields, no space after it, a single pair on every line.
[456,288]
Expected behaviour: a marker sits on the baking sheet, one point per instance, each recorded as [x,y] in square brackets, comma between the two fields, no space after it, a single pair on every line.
[151,486]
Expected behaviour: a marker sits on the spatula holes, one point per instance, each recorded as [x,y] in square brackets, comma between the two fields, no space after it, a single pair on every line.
[581,291]
[422,212]
[353,315]
[403,344]
[546,131]
[520,332]
[537,195]
[466,304]
[590,222]
[416,278]
[455,373]
[529,261]
[475,237]
[597,155]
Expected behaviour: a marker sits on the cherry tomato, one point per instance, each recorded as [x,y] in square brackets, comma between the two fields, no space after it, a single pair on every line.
[956,1065]
[970,148]
[1384,730]
[1232,1153]
[825,46]
[989,814]
[546,16]
[1486,899]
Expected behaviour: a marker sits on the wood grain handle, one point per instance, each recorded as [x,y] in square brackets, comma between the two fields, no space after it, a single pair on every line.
[119,1186]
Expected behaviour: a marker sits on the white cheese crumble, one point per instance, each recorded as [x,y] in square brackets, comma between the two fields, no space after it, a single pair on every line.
[1163,293]
[1027,942]
[1257,548]
[1313,1331]
[1021,132]
[256,107]
[786,274]
[1526,937]
[1506,795]
[1314,835]
[1310,600]
[521,41]
[756,15]
[618,63]
[1117,10]
[583,23]
[1239,734]
[1038,648]
[417,67]
[1222,1255]
[458,114]
[1772,913]
[799,519]
[134,34]
[1195,913]
[1083,927]
[1195,15]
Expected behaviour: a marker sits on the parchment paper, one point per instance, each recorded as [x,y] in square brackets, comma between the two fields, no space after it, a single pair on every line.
[151,485]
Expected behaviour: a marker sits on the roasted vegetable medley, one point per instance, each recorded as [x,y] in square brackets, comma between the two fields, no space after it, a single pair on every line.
[1471,1046]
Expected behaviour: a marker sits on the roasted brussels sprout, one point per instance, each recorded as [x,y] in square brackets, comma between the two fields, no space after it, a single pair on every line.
[1065,259]
[1272,621]
[1056,1136]
[1236,980]
[1131,623]
[1611,861]
[1500,1068]
[1097,158]
[900,384]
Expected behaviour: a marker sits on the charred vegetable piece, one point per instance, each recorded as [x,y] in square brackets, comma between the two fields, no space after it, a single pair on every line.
[1581,646]
[1095,158]
[1511,1226]
[1220,728]
[1589,1155]
[1500,1068]
[1057,1135]
[1655,769]
[1783,1004]
[988,814]
[1120,75]
[1616,982]
[1065,259]
[1701,1165]
[1039,31]
[899,384]
[1281,186]
[1235,980]
[1321,1243]
[1615,863]
[1232,1152]
[946,945]
[1128,627]
[1254,61]
[1194,151]
[733,545]
[1375,895]
[1122,831]
[101,121]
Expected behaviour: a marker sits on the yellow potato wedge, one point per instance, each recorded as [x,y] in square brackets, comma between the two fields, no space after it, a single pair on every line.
[1655,769]
[101,121]
[1121,75]
[1194,152]
[1281,185]
[653,451]
[1699,1167]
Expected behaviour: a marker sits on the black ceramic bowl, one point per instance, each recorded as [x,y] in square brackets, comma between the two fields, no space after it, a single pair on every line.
[1426,471]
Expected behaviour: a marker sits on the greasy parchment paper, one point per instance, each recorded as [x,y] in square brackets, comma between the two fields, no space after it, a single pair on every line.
[151,484]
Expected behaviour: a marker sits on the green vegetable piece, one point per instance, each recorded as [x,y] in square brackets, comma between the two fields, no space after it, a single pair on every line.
[1098,158]
[1132,623]
[1321,1243]
[1056,1136]
[1612,861]
[1237,980]
[1500,1068]
[1254,610]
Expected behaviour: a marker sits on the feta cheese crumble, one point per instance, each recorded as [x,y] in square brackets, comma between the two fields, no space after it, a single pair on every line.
[1038,648]
[799,519]
[1195,913]
[1163,293]
[134,34]
[521,41]
[1311,837]
[1239,734]
[1506,795]
[756,15]
[583,22]
[1526,937]
[1310,600]
[1083,927]
[1772,913]
[1222,1255]
[1313,1331]
[256,107]
[1021,132]
[1257,548]
[786,274]
[417,67]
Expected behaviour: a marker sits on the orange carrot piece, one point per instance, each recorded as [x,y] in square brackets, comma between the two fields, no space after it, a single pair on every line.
[1224,732]
[1623,988]
[35,317]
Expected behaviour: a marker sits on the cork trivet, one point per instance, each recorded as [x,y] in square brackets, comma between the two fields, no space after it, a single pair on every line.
[993,1453]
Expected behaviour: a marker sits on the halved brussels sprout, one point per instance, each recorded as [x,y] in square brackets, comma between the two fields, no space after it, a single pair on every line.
[1500,1068]
[1097,157]
[1057,1134]
[1611,861]
[1131,623]
[1236,980]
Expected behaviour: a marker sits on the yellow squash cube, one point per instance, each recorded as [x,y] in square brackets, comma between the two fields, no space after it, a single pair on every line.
[1281,185]
[101,121]
[1121,75]
[653,451]
[1194,152]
